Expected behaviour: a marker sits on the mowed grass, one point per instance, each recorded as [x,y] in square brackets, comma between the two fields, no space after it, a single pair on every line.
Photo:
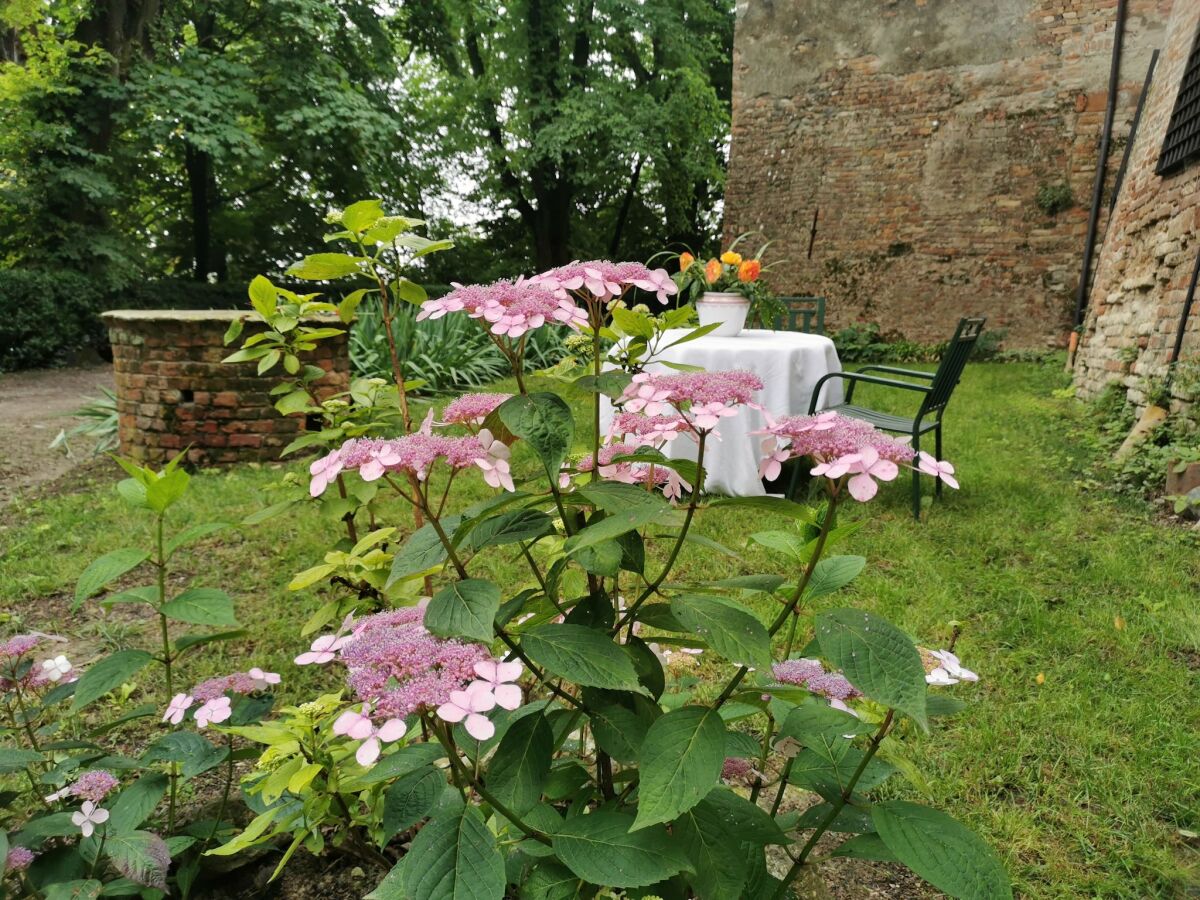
[1079,756]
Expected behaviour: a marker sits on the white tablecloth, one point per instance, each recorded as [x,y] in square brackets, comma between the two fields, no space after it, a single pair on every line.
[789,364]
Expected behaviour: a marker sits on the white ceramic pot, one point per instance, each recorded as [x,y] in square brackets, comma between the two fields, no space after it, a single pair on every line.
[730,309]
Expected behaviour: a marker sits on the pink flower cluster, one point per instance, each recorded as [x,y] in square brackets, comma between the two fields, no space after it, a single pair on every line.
[842,446]
[605,280]
[18,859]
[93,785]
[811,674]
[212,694]
[471,409]
[615,469]
[943,668]
[702,399]
[510,308]
[415,453]
[14,673]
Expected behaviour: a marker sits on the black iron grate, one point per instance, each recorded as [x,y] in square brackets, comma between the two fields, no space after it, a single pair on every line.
[1182,142]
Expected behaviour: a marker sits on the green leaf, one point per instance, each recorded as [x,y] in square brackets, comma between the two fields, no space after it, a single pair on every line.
[603,558]
[814,719]
[628,508]
[396,765]
[785,542]
[140,856]
[521,764]
[362,215]
[194,533]
[601,849]
[201,606]
[411,799]
[454,857]
[715,852]
[464,609]
[826,768]
[104,570]
[106,675]
[511,527]
[410,292]
[79,889]
[728,628]
[293,402]
[620,721]
[136,803]
[612,384]
[349,305]
[833,573]
[634,324]
[544,421]
[234,331]
[877,657]
[195,754]
[745,820]
[325,266]
[13,759]
[549,880]
[760,584]
[680,762]
[941,850]
[263,296]
[187,641]
[775,505]
[582,655]
[865,846]
[424,550]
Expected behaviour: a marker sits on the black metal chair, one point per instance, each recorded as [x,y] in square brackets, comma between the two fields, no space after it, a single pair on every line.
[937,396]
[806,314]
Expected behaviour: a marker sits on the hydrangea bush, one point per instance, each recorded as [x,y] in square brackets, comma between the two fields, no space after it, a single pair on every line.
[536,737]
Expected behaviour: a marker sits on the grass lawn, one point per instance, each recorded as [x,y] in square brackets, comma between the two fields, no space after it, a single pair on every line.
[1078,757]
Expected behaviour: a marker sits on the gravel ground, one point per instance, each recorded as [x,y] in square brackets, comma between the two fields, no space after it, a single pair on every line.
[34,407]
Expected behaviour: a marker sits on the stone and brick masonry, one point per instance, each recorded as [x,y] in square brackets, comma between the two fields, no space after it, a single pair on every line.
[173,391]
[923,131]
[1149,251]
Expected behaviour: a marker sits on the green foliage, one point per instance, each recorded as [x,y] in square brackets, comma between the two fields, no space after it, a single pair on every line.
[1052,199]
[45,317]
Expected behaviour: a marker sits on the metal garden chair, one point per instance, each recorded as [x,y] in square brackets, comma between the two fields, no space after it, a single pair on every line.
[937,396]
[806,314]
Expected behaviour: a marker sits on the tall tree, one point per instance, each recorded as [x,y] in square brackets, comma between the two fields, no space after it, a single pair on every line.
[602,123]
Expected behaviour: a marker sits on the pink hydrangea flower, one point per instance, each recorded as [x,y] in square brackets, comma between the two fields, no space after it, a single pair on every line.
[360,727]
[94,785]
[937,468]
[701,399]
[219,686]
[865,468]
[829,436]
[472,409]
[323,472]
[510,308]
[494,462]
[325,648]
[179,705]
[943,668]
[811,674]
[468,707]
[496,677]
[263,680]
[603,280]
[88,817]
[774,456]
[18,859]
[213,712]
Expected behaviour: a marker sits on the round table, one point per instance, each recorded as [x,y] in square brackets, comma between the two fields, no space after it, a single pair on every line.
[789,364]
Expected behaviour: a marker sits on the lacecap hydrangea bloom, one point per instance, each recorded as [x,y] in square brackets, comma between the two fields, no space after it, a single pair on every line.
[472,409]
[508,308]
[603,280]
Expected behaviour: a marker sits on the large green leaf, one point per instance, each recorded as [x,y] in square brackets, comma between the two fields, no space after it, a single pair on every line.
[411,799]
[423,550]
[833,573]
[728,628]
[454,857]
[325,266]
[814,719]
[549,880]
[582,655]
[680,762]
[195,754]
[544,421]
[877,657]
[140,856]
[716,854]
[13,759]
[107,568]
[510,527]
[628,508]
[521,764]
[601,849]
[107,674]
[826,768]
[941,850]
[747,821]
[136,803]
[620,721]
[201,606]
[464,609]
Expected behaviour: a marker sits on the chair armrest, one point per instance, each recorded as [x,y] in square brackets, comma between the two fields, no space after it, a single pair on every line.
[854,378]
[911,373]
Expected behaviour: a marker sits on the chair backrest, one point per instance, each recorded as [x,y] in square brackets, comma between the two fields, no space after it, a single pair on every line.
[951,366]
[805,314]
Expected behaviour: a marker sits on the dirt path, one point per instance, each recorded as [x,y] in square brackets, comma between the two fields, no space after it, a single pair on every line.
[34,407]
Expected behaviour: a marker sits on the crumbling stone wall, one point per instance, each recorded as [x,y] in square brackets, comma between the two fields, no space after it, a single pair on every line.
[925,133]
[1149,251]
[173,391]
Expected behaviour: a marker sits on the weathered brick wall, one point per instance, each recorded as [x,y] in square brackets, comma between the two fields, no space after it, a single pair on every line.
[1149,251]
[173,391]
[922,131]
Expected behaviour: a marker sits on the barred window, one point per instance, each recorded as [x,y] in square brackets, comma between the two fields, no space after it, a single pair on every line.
[1182,142]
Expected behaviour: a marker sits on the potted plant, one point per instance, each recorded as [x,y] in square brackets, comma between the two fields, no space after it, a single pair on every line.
[727,289]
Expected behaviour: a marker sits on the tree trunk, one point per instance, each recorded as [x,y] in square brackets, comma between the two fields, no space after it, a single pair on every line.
[198,167]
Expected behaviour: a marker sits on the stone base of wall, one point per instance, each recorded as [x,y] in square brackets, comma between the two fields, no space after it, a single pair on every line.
[174,393]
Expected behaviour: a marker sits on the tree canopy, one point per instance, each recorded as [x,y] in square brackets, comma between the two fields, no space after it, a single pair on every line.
[207,138]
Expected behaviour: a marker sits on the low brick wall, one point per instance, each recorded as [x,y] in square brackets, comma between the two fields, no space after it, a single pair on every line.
[173,391]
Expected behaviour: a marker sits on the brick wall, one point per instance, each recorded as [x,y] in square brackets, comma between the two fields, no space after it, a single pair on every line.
[922,131]
[1149,251]
[173,391]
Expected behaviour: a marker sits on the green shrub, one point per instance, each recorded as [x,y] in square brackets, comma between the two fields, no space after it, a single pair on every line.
[29,300]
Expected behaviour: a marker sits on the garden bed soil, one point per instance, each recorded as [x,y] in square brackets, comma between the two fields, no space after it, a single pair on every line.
[34,407]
